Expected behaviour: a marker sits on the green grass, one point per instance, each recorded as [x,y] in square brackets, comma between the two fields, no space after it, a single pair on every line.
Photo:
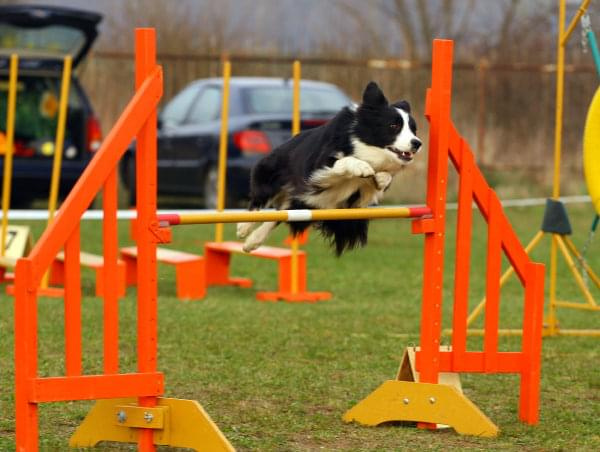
[278,376]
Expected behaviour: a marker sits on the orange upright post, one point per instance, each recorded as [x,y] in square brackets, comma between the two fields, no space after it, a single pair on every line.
[145,48]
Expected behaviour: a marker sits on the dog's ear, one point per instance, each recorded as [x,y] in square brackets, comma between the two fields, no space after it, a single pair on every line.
[402,104]
[373,96]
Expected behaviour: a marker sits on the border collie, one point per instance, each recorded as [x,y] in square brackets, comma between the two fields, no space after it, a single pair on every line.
[346,163]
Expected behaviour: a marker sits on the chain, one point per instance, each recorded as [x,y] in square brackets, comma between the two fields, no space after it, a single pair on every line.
[586,26]
[584,250]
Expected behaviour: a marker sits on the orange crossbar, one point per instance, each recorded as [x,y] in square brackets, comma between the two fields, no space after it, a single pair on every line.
[92,387]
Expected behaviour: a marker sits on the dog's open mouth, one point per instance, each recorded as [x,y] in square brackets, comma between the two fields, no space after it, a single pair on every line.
[405,156]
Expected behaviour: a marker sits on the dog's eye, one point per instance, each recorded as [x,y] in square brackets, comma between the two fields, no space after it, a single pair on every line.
[394,126]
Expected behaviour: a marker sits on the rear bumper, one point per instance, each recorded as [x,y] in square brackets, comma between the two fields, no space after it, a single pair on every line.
[31,178]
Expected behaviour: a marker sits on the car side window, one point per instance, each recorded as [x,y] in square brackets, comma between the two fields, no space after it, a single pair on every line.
[176,110]
[206,107]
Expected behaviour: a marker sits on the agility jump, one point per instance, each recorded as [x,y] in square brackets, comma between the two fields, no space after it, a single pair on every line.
[423,399]
[148,419]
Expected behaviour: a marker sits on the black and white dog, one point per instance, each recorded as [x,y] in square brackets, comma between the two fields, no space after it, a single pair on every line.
[346,163]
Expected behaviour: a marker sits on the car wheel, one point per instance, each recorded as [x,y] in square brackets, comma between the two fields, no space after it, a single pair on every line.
[211,178]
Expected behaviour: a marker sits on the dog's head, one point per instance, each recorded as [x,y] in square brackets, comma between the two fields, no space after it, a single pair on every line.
[390,128]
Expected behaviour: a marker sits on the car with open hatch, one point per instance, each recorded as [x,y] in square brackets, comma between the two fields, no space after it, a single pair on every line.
[42,36]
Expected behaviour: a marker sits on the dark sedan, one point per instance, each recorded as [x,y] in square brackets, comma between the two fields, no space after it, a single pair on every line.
[260,117]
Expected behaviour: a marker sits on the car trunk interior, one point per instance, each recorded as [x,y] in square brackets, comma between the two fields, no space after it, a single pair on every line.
[36,117]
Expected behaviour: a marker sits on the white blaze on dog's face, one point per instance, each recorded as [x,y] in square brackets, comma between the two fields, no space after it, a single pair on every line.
[384,135]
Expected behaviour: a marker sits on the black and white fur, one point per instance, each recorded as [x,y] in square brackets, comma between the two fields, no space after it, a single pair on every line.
[346,163]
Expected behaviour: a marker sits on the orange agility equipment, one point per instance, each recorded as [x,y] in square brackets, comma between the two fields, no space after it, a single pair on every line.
[143,387]
[422,400]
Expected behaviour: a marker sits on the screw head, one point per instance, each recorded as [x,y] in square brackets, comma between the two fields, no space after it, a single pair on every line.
[121,416]
[148,417]
[432,400]
[405,401]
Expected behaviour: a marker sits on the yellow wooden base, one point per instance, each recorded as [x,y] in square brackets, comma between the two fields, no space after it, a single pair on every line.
[405,399]
[176,423]
[398,400]
[408,371]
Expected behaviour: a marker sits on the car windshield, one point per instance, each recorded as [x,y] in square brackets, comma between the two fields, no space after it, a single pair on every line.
[53,40]
[278,99]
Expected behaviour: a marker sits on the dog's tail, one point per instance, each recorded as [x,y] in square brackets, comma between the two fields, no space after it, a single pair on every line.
[345,234]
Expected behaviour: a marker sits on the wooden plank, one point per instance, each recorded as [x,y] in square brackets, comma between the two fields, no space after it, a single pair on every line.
[91,387]
[86,259]
[267,252]
[166,255]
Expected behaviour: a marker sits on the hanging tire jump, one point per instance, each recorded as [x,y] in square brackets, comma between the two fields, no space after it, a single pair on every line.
[591,151]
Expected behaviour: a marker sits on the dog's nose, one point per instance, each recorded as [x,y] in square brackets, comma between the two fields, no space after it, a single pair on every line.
[415,144]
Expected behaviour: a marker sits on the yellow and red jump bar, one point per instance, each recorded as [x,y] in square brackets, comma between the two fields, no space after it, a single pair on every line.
[371,213]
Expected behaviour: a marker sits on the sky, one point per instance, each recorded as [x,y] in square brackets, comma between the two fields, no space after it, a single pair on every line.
[286,26]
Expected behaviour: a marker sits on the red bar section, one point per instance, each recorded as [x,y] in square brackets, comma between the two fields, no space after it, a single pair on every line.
[420,212]
[169,219]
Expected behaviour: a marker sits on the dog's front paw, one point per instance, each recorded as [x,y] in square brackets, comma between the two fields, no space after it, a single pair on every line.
[383,180]
[352,167]
[243,229]
[359,168]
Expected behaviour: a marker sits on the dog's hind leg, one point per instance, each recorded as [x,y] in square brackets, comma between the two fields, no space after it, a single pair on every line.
[259,235]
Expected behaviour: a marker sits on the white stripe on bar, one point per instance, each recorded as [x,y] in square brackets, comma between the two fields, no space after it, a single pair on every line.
[299,215]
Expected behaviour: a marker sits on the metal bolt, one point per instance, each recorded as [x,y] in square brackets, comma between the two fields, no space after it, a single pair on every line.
[405,401]
[432,400]
[148,417]
[121,416]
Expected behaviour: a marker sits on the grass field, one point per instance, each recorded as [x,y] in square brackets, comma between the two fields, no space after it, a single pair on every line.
[278,377]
